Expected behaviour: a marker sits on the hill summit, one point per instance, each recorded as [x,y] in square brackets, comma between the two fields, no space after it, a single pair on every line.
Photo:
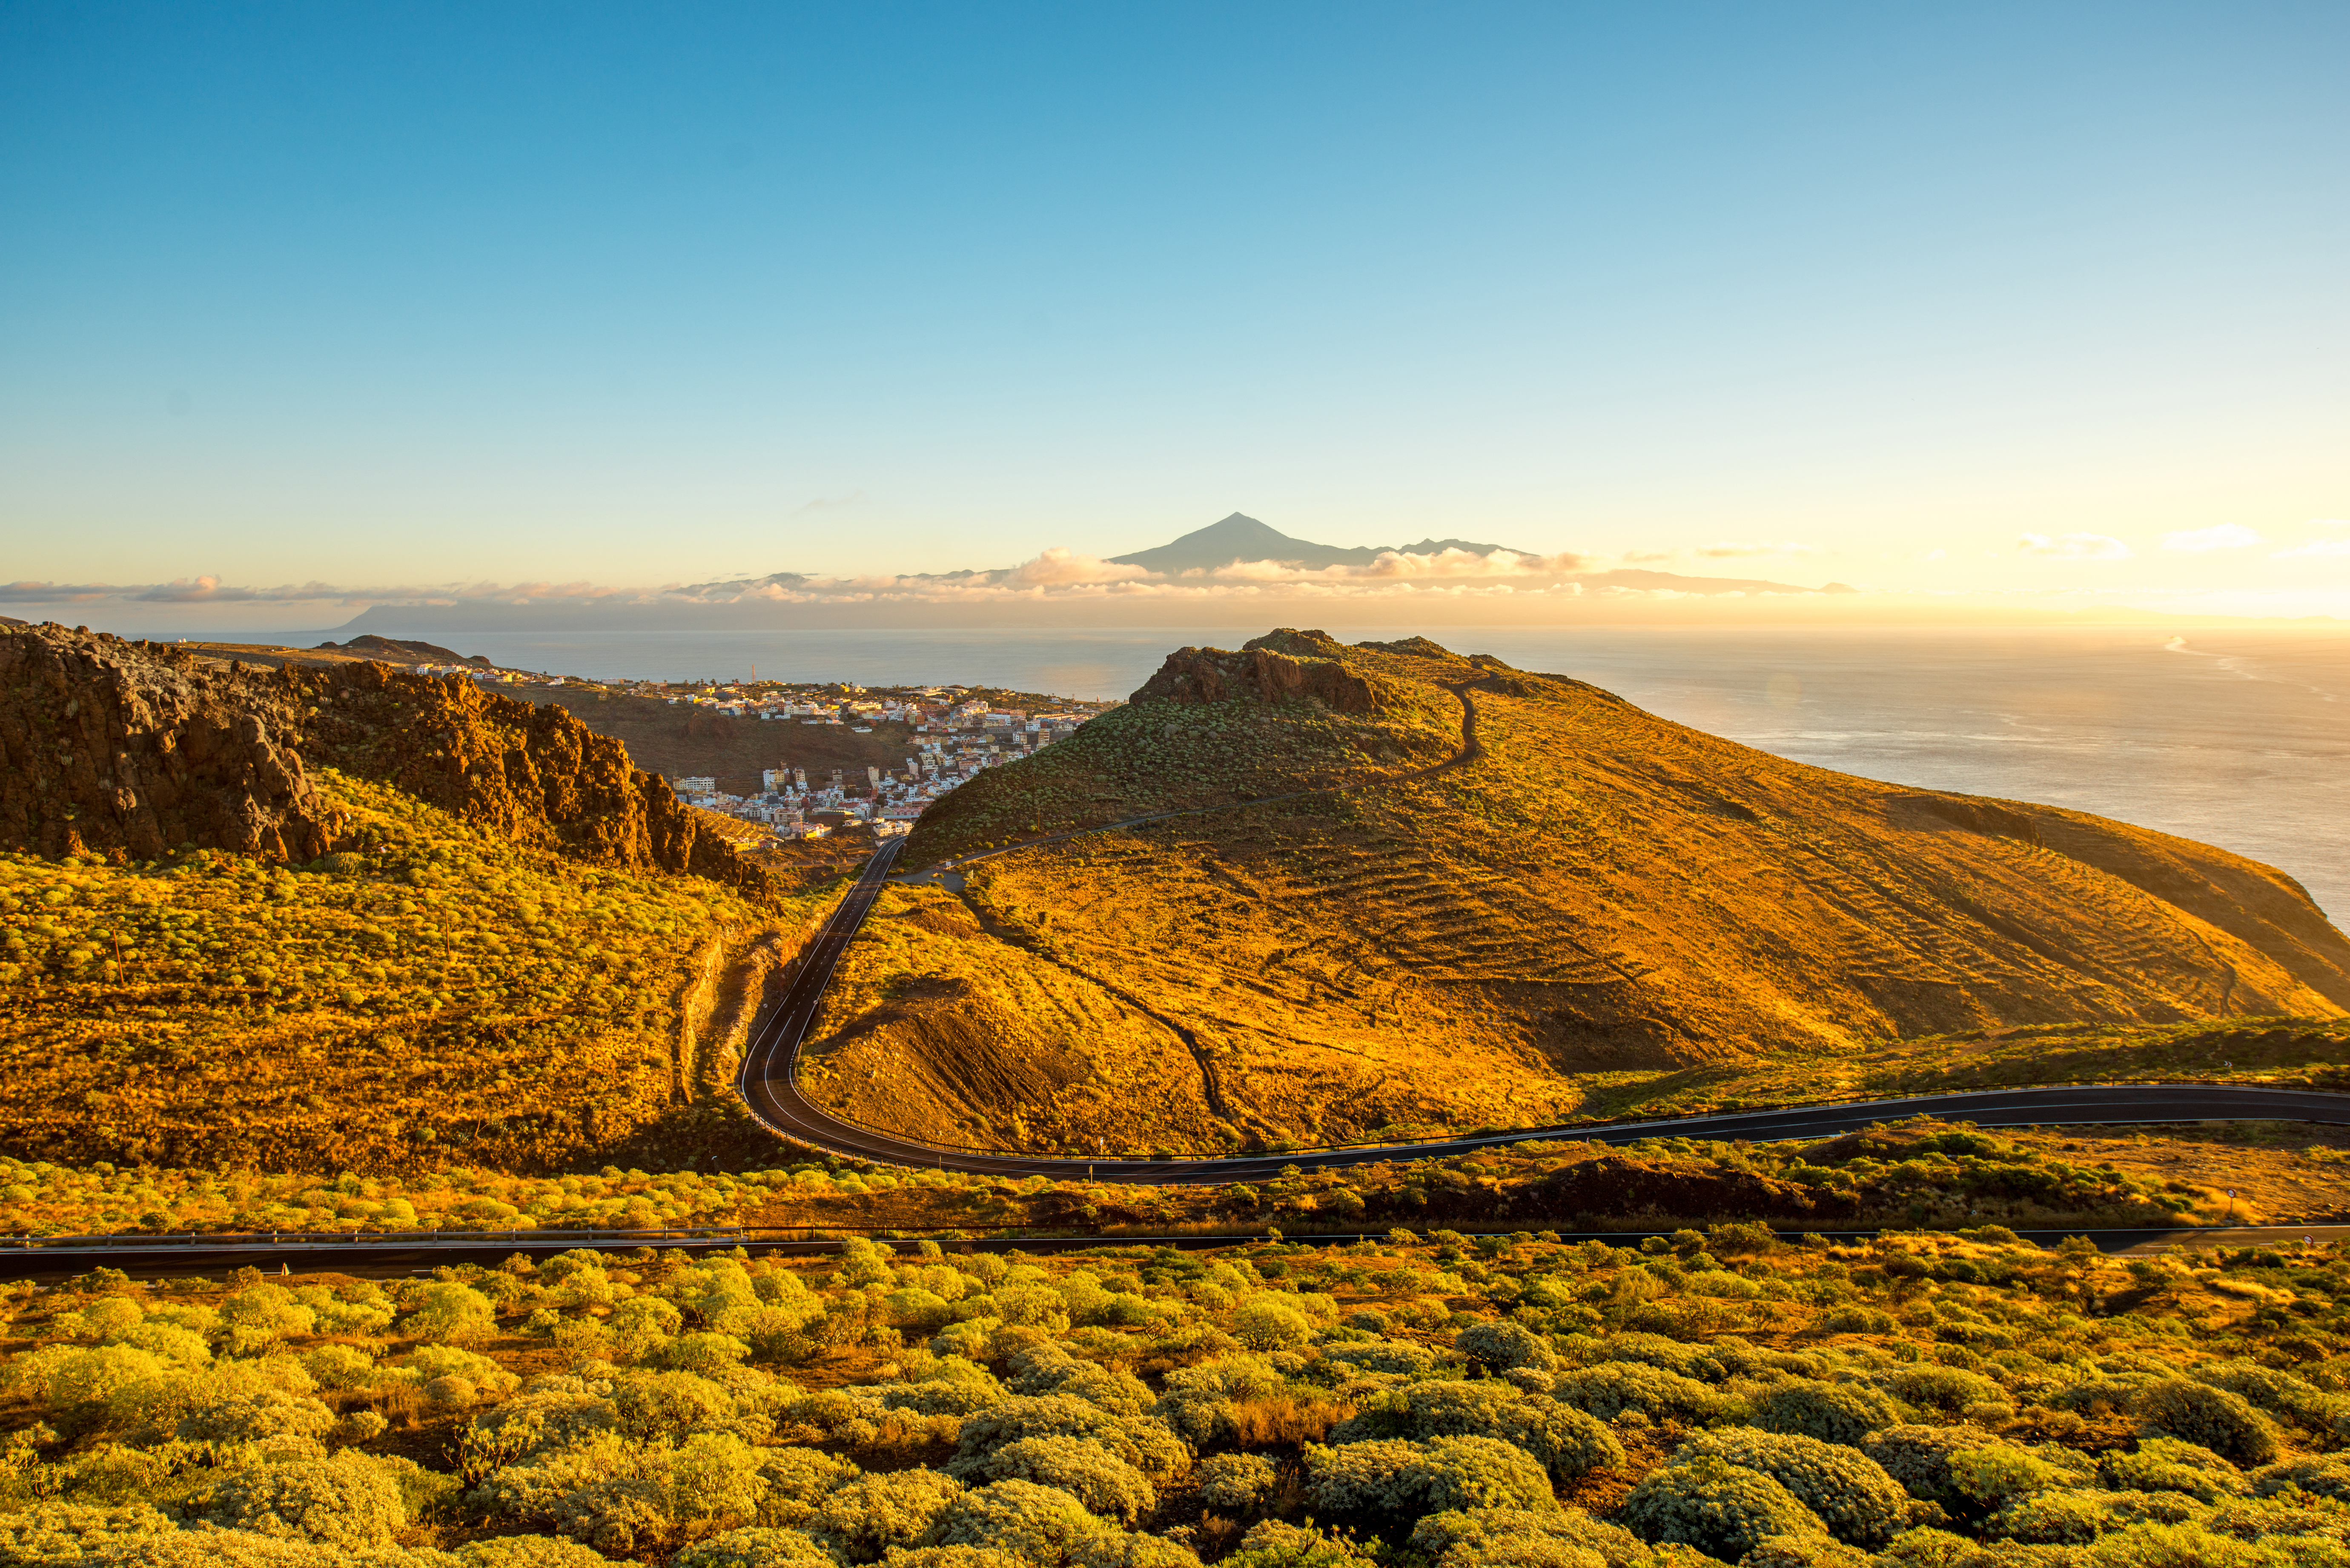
[1386,885]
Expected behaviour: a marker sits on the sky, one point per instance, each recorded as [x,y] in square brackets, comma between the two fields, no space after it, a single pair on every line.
[2027,302]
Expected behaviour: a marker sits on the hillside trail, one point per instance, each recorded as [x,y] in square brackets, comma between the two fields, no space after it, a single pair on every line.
[948,873]
[768,1077]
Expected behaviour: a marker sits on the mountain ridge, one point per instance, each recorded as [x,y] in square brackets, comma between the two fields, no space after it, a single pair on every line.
[1310,935]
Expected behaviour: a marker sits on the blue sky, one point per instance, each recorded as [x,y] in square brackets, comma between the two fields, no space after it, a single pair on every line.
[376,295]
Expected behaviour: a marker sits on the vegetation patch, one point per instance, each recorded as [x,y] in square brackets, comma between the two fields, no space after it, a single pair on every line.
[1419,1401]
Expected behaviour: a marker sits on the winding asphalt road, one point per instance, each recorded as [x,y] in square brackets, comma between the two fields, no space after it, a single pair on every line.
[768,1081]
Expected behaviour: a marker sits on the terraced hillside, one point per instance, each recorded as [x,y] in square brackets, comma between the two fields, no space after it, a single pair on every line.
[1340,939]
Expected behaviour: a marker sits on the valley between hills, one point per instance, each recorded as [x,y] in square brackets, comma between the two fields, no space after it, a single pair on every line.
[337,919]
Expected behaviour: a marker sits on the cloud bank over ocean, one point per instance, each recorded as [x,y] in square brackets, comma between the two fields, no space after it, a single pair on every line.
[1238,570]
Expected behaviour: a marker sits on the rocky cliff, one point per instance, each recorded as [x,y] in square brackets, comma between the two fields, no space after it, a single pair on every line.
[138,748]
[1284,666]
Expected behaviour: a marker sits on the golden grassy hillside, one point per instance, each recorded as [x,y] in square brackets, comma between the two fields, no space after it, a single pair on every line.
[436,990]
[1597,892]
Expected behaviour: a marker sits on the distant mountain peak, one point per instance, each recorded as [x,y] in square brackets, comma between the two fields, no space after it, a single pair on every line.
[1241,537]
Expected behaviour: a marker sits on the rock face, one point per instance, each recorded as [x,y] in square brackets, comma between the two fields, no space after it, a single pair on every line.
[106,744]
[139,748]
[1284,666]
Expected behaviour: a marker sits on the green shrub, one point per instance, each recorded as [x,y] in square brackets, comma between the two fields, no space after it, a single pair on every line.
[1470,1538]
[1049,1369]
[701,1353]
[1610,1389]
[2165,1464]
[1273,1544]
[1142,1442]
[58,1533]
[345,1502]
[1803,1552]
[2320,1476]
[943,1399]
[258,1316]
[863,1519]
[1502,1345]
[485,1377]
[1271,1323]
[1036,1523]
[61,1376]
[1695,1361]
[1236,1483]
[446,1313]
[529,1552]
[2073,1516]
[1724,1511]
[2278,1393]
[1566,1441]
[756,1547]
[797,1482]
[1103,1482]
[1120,1550]
[251,1414]
[1943,1388]
[1918,1458]
[1851,1493]
[1832,1412]
[2210,1418]
[1394,1356]
[1397,1477]
[1998,1474]
[341,1367]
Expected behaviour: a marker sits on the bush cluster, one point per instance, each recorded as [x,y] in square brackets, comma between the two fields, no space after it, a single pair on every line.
[724,1411]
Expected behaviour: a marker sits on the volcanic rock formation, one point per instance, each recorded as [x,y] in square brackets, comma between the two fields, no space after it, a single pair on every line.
[139,748]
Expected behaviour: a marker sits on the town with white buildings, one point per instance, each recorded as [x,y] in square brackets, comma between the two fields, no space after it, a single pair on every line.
[951,734]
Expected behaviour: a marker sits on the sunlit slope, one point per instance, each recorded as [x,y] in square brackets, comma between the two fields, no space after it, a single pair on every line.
[1599,890]
[434,991]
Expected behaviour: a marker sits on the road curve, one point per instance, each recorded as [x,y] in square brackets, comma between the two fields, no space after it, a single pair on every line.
[768,1083]
[769,1080]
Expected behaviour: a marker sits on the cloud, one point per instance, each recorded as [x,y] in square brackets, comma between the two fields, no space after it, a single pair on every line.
[2223,536]
[2319,546]
[1056,567]
[32,593]
[2075,546]
[826,502]
[1728,549]
[1395,565]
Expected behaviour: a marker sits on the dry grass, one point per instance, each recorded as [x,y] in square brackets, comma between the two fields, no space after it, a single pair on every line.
[1606,912]
[441,990]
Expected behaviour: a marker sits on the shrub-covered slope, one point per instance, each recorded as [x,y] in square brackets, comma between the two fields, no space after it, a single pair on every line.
[435,988]
[344,918]
[1419,1402]
[1341,936]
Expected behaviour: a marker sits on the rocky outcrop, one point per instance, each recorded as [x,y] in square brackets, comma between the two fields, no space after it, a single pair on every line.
[110,745]
[1284,666]
[141,748]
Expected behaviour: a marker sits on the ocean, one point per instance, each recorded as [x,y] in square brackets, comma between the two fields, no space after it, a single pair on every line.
[2237,738]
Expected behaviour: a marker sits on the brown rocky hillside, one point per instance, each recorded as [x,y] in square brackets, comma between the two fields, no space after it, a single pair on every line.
[1342,937]
[138,748]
